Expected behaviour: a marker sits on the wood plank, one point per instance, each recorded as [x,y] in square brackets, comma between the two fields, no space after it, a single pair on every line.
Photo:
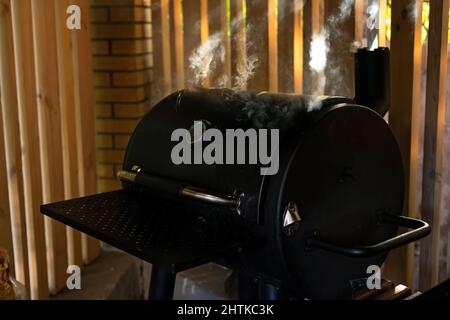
[68,126]
[339,71]
[204,35]
[6,238]
[272,38]
[49,119]
[11,146]
[13,156]
[178,44]
[162,70]
[28,117]
[313,20]
[288,41]
[403,118]
[85,119]
[360,20]
[172,45]
[29,133]
[238,44]
[166,48]
[258,43]
[398,293]
[298,46]
[382,8]
[434,140]
[158,84]
[218,26]
[29,130]
[370,294]
[192,37]
[226,25]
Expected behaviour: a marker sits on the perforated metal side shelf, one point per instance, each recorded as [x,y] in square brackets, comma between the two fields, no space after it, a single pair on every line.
[172,235]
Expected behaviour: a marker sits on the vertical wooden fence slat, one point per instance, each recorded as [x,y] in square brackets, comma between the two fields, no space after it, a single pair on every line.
[192,36]
[313,20]
[272,38]
[382,23]
[162,70]
[340,65]
[85,119]
[49,118]
[225,18]
[204,34]
[10,127]
[166,48]
[178,44]
[403,118]
[218,26]
[158,86]
[298,46]
[68,126]
[172,39]
[359,19]
[433,140]
[214,17]
[258,43]
[238,42]
[287,43]
[6,240]
[29,133]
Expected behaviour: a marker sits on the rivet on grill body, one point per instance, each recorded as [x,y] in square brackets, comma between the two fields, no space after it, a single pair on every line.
[291,219]
[136,169]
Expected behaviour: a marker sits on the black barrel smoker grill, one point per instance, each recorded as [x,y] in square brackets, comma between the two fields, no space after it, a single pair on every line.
[309,231]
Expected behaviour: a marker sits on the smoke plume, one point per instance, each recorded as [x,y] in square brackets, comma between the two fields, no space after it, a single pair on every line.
[204,59]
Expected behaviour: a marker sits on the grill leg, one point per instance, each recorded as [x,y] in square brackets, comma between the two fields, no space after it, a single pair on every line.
[162,284]
[270,292]
[248,287]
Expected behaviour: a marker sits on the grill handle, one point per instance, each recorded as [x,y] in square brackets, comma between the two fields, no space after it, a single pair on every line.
[419,230]
[180,189]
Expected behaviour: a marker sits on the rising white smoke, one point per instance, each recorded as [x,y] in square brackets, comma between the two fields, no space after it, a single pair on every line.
[320,47]
[204,59]
[319,50]
[413,11]
[245,70]
[372,16]
[344,12]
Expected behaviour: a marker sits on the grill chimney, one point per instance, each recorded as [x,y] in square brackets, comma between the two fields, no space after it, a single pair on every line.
[372,79]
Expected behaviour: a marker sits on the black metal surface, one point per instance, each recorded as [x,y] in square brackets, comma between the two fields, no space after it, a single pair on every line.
[372,79]
[440,292]
[167,233]
[270,292]
[248,287]
[162,284]
[346,169]
[151,144]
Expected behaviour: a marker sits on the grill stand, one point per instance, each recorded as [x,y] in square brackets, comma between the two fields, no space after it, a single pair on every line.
[270,292]
[248,287]
[162,284]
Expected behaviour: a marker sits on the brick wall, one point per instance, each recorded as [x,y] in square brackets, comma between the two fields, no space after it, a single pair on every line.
[122,48]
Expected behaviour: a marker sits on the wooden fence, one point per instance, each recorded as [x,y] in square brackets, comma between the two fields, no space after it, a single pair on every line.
[47,137]
[279,34]
[47,145]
